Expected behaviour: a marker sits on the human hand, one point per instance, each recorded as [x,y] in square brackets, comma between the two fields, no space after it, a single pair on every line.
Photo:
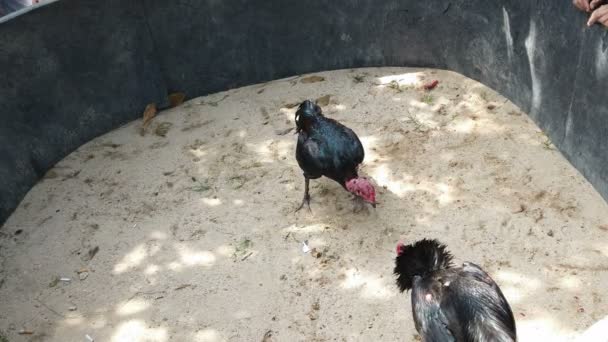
[600,15]
[583,5]
[596,3]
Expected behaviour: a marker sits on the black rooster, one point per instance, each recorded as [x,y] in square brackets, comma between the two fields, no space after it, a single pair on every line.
[459,304]
[328,148]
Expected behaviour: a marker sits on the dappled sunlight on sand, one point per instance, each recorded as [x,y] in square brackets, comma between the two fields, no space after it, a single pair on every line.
[157,235]
[151,269]
[399,187]
[313,228]
[132,259]
[464,125]
[263,150]
[212,202]
[137,331]
[442,192]
[225,251]
[407,79]
[272,150]
[73,321]
[132,306]
[570,282]
[598,332]
[369,285]
[368,143]
[208,335]
[544,329]
[515,286]
[191,257]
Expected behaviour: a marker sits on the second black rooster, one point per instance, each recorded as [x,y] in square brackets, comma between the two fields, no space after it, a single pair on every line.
[449,303]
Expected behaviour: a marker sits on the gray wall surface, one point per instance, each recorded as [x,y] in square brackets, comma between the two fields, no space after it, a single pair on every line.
[75,69]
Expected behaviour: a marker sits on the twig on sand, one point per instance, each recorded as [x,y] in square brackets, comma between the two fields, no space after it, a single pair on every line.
[246,256]
[49,308]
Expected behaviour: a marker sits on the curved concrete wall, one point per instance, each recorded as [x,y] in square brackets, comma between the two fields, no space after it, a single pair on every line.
[75,69]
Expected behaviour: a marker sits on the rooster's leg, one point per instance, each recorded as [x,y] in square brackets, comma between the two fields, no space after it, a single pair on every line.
[306,199]
[359,204]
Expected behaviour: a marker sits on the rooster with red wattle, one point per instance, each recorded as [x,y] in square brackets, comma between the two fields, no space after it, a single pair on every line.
[328,148]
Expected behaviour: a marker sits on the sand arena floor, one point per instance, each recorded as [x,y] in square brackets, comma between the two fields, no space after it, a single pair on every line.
[189,232]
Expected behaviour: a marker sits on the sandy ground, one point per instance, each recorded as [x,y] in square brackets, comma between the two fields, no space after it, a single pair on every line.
[193,236]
